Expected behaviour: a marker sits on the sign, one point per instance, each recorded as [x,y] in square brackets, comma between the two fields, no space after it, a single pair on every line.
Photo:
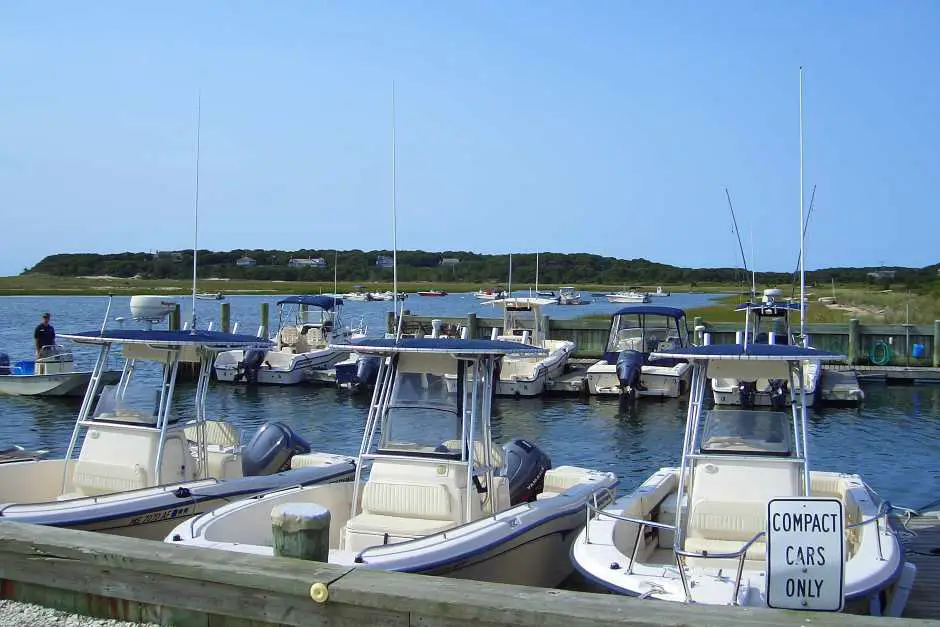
[805,554]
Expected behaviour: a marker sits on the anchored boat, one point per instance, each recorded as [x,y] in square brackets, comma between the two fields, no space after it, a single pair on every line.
[302,344]
[696,533]
[51,374]
[439,497]
[627,368]
[140,468]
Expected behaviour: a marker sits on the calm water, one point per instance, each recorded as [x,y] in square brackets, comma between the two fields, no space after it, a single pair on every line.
[892,441]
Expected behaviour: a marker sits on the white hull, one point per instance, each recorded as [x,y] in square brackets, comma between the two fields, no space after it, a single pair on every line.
[528,377]
[285,368]
[761,399]
[659,381]
[602,552]
[627,298]
[532,550]
[64,384]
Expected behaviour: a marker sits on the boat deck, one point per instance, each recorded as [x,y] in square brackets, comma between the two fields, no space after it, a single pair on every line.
[922,547]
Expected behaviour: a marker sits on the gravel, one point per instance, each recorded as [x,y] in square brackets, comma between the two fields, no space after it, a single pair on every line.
[16,614]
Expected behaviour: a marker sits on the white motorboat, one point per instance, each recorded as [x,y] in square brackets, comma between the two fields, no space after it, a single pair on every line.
[210,296]
[526,375]
[766,322]
[439,498]
[659,293]
[302,344]
[697,533]
[489,294]
[139,469]
[628,296]
[635,332]
[51,374]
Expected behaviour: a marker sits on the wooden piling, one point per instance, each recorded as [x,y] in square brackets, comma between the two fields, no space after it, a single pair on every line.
[936,343]
[225,317]
[174,322]
[301,531]
[854,341]
[265,329]
[473,325]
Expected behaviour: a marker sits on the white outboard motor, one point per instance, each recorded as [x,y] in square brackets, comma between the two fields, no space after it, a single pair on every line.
[271,449]
[526,466]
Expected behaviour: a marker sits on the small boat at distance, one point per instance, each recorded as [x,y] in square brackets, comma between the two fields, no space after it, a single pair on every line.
[51,374]
[568,295]
[440,498]
[489,294]
[432,293]
[210,296]
[628,296]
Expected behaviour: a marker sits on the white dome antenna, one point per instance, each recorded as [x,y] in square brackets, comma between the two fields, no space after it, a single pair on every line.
[151,309]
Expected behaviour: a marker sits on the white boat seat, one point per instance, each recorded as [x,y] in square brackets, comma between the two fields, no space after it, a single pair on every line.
[398,528]
[827,485]
[218,433]
[92,478]
[496,452]
[313,459]
[557,480]
[724,527]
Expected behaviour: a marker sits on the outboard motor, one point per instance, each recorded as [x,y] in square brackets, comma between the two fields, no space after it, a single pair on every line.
[4,364]
[249,365]
[271,449]
[747,392]
[778,393]
[629,369]
[367,369]
[526,466]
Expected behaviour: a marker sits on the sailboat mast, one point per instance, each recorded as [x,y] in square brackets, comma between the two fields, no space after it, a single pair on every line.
[196,209]
[394,215]
[509,290]
[536,274]
[802,228]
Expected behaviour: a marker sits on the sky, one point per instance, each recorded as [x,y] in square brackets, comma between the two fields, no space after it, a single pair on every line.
[608,127]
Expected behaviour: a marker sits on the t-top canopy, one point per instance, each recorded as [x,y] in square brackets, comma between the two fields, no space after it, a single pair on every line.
[323,302]
[211,339]
[762,352]
[653,310]
[440,345]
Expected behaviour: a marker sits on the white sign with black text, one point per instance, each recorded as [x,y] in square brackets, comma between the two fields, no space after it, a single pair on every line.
[805,554]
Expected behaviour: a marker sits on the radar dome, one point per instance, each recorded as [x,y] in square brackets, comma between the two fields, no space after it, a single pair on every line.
[151,308]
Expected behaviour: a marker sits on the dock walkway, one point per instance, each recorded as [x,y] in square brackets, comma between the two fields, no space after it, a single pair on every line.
[922,546]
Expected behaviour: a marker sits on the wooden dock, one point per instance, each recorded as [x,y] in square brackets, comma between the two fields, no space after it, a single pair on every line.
[144,581]
[922,546]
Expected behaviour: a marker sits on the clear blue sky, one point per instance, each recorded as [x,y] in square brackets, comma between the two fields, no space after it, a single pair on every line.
[604,127]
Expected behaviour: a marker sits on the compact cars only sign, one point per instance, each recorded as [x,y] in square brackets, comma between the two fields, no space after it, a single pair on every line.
[805,554]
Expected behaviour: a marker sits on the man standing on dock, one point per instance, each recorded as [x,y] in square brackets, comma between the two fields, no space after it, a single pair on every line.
[44,334]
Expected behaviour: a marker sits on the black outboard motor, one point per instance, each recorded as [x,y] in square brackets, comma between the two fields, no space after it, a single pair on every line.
[271,448]
[778,393]
[629,369]
[4,364]
[367,370]
[526,466]
[747,393]
[249,365]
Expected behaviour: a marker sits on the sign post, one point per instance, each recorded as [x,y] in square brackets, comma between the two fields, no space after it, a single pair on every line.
[805,554]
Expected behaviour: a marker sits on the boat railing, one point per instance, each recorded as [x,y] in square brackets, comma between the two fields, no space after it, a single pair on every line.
[740,555]
[882,514]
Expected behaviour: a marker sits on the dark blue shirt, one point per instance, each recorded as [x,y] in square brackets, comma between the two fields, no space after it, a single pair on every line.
[45,335]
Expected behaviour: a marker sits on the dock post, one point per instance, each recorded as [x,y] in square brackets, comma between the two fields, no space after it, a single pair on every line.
[936,343]
[301,531]
[472,325]
[697,329]
[174,322]
[547,326]
[390,322]
[853,341]
[264,321]
[226,318]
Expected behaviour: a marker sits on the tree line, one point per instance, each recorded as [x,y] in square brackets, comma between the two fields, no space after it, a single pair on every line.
[554,269]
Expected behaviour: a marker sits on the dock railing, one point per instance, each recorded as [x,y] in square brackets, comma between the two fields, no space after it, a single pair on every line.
[144,581]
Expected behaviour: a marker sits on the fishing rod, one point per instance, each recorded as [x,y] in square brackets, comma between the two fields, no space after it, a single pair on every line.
[737,233]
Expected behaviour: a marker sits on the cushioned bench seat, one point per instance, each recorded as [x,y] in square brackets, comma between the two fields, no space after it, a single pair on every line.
[724,527]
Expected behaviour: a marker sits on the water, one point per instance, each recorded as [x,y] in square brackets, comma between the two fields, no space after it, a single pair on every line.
[892,441]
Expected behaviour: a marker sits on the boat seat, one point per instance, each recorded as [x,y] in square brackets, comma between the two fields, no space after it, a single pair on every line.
[827,485]
[218,433]
[724,527]
[309,460]
[92,478]
[557,480]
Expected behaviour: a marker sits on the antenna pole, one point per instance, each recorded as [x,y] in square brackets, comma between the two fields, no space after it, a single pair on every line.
[394,217]
[536,274]
[196,208]
[737,232]
[802,228]
[335,270]
[509,290]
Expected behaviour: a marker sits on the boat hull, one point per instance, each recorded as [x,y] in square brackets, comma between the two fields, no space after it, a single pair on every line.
[296,370]
[151,513]
[659,381]
[64,384]
[523,378]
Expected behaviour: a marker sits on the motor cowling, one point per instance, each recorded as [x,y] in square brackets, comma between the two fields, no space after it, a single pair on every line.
[747,393]
[367,369]
[271,448]
[526,465]
[778,393]
[629,370]
[4,364]
[249,365]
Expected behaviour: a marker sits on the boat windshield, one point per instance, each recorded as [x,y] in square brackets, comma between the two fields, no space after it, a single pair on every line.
[750,432]
[644,333]
[422,418]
